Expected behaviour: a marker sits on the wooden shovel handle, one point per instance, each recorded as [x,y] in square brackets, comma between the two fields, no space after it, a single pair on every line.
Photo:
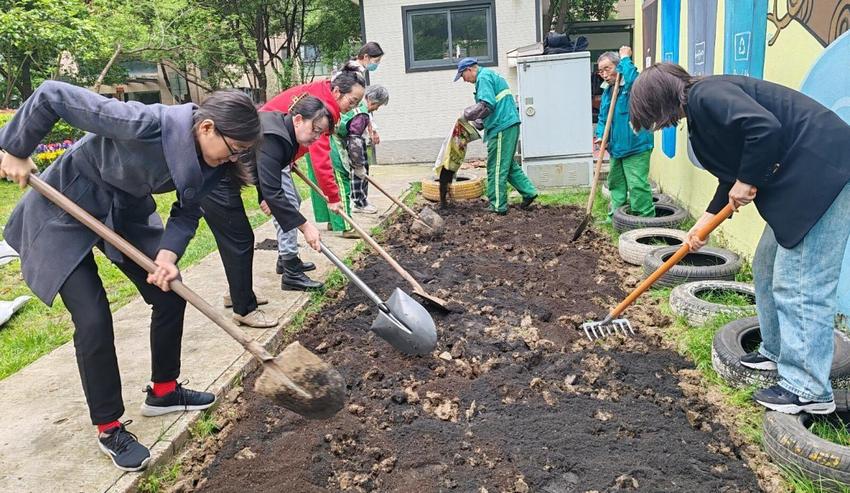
[363,234]
[597,170]
[147,264]
[679,255]
[395,200]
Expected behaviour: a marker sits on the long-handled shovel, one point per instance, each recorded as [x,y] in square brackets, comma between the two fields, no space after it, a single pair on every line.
[417,288]
[402,321]
[598,169]
[611,324]
[296,379]
[428,221]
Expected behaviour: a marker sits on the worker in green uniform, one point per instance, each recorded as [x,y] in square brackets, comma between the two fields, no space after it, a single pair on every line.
[630,151]
[495,111]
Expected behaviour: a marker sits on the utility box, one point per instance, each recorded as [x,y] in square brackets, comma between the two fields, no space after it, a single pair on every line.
[556,115]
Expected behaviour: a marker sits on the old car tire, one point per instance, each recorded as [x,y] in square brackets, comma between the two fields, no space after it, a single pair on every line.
[464,187]
[709,263]
[634,245]
[740,337]
[789,442]
[685,302]
[666,216]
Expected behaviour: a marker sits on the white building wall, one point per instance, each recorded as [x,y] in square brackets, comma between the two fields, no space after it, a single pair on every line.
[424,105]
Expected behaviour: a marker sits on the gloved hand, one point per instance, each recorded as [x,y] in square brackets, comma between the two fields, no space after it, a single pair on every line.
[477,111]
[478,124]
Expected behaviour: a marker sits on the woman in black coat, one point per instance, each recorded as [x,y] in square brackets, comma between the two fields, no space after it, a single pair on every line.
[790,156]
[132,152]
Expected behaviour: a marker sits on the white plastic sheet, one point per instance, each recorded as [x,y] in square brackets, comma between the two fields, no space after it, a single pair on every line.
[8,308]
[7,253]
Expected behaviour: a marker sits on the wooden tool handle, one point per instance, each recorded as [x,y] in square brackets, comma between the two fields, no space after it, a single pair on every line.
[147,264]
[363,234]
[597,170]
[663,268]
[395,200]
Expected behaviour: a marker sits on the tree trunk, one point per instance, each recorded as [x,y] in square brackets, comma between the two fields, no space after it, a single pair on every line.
[25,80]
[103,72]
[563,14]
[550,16]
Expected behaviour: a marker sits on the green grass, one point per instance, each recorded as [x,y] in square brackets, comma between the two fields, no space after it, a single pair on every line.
[799,482]
[205,426]
[725,297]
[159,479]
[835,431]
[38,329]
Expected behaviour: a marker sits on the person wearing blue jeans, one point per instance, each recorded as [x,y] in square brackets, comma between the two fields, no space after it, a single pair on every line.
[790,156]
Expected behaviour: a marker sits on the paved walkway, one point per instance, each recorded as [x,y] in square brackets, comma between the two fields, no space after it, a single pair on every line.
[46,440]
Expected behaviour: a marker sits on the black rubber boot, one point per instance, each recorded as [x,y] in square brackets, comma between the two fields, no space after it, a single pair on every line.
[302,266]
[526,202]
[294,279]
[446,178]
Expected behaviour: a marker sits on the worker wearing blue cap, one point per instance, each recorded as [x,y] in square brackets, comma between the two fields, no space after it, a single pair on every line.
[495,111]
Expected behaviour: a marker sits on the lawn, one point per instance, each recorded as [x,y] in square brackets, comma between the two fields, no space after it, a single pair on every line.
[38,329]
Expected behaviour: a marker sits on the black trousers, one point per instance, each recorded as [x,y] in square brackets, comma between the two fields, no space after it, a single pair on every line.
[94,337]
[226,217]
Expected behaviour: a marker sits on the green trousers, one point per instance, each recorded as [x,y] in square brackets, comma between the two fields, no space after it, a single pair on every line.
[629,180]
[320,206]
[503,169]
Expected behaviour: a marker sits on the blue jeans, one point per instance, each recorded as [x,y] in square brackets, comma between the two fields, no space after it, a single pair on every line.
[796,300]
[287,241]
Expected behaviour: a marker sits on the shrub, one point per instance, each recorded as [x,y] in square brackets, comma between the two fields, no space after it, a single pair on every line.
[61,132]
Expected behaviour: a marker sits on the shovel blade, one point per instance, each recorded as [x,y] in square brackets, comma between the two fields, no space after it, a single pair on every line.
[432,219]
[320,389]
[406,325]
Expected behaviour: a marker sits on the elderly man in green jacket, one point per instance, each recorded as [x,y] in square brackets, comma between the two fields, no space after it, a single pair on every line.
[628,179]
[495,111]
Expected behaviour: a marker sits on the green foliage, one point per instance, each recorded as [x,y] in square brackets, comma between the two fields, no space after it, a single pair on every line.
[159,479]
[725,297]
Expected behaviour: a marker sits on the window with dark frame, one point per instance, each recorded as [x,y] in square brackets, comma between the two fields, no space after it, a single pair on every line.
[437,36]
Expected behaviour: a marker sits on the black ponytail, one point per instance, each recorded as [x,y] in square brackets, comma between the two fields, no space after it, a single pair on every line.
[349,76]
[371,49]
[235,117]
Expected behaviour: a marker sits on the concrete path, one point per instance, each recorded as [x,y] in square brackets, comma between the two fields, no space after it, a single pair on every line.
[47,442]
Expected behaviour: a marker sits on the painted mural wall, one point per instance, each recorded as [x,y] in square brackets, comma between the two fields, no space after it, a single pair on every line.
[798,43]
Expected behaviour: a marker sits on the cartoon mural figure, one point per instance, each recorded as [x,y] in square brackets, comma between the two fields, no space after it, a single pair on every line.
[702,29]
[670,15]
[745,37]
[650,31]
[826,20]
[833,91]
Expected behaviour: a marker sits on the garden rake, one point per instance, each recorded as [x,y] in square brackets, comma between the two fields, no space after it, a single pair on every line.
[611,324]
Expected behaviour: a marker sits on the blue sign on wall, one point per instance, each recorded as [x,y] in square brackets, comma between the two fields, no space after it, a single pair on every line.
[670,15]
[745,38]
[702,30]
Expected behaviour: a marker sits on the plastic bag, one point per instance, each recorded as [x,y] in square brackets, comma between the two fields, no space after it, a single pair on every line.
[453,151]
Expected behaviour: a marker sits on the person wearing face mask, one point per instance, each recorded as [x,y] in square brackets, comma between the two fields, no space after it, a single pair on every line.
[339,94]
[353,131]
[369,57]
[131,152]
[630,151]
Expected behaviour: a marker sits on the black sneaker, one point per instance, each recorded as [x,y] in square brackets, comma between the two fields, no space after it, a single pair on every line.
[757,361]
[779,399]
[124,448]
[181,399]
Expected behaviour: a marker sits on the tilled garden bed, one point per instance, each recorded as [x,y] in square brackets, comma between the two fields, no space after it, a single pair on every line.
[513,399]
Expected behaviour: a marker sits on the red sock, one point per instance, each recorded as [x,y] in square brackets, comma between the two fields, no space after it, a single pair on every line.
[102,428]
[162,388]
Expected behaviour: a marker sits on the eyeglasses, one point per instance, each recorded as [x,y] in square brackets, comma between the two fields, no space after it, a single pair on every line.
[605,70]
[317,132]
[239,155]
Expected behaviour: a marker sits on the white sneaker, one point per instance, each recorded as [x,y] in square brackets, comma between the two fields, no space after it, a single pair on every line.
[367,209]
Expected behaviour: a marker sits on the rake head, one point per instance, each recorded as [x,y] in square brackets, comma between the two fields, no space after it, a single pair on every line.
[604,328]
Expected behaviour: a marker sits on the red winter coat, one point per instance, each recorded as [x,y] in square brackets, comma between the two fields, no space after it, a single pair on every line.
[320,151]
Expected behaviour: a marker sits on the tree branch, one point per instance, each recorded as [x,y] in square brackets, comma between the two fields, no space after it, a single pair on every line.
[99,81]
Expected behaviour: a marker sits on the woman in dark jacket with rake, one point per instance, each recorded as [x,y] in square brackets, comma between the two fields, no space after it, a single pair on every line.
[132,152]
[788,154]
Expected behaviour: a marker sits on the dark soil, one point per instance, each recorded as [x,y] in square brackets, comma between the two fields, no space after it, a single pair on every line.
[513,399]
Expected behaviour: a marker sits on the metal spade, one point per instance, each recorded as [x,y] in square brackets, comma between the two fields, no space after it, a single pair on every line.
[402,321]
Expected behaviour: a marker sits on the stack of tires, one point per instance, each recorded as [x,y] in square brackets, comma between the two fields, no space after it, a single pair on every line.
[788,438]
